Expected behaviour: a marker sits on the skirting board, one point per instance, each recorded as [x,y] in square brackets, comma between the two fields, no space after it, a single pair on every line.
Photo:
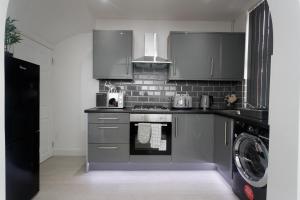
[69,152]
[45,156]
[150,166]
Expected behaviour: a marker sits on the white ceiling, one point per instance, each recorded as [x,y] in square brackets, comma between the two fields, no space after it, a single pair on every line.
[211,10]
[55,20]
[51,20]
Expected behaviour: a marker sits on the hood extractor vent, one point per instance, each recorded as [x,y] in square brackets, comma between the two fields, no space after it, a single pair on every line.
[151,51]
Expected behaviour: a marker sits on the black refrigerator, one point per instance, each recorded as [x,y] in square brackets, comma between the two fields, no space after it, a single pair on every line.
[21,129]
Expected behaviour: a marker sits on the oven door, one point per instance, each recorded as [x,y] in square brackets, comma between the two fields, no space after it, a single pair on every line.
[150,147]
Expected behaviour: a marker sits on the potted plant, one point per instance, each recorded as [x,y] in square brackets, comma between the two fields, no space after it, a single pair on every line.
[12,36]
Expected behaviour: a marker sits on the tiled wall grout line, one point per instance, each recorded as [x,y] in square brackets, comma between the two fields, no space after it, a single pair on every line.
[151,86]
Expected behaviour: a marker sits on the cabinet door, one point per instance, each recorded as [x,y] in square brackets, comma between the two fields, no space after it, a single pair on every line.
[108,133]
[192,138]
[223,146]
[108,152]
[194,55]
[112,54]
[232,59]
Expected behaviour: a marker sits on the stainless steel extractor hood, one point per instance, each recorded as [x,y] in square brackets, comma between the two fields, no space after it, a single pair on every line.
[151,51]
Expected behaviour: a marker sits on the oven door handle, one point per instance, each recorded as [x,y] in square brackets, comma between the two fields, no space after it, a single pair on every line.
[161,124]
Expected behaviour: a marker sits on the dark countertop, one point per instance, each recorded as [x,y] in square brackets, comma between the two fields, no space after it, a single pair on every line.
[129,110]
[225,113]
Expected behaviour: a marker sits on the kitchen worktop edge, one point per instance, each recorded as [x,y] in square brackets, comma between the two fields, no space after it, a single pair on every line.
[262,123]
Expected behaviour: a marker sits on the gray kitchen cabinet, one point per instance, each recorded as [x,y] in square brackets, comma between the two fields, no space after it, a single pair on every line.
[194,55]
[192,139]
[112,54]
[112,118]
[206,56]
[108,152]
[108,133]
[108,137]
[223,134]
[232,57]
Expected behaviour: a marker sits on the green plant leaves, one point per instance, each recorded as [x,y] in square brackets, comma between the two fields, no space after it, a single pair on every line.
[12,34]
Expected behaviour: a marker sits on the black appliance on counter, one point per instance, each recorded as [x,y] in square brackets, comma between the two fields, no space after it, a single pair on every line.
[21,129]
[165,125]
[250,161]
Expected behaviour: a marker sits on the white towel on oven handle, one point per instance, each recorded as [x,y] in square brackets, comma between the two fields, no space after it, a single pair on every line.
[155,139]
[144,133]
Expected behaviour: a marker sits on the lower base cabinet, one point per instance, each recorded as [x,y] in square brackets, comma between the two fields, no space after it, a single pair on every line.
[108,137]
[108,152]
[196,138]
[223,135]
[192,138]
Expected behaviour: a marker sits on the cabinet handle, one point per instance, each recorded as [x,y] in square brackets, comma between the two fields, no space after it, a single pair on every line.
[225,134]
[113,118]
[112,127]
[23,68]
[211,66]
[127,64]
[107,148]
[174,67]
[176,127]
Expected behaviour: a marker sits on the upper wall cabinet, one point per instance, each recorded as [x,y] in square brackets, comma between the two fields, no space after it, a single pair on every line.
[206,56]
[193,55]
[112,54]
[232,57]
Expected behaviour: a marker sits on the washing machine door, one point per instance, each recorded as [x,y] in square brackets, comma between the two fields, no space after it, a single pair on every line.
[251,159]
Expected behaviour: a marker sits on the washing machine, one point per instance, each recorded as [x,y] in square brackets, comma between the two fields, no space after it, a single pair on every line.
[250,160]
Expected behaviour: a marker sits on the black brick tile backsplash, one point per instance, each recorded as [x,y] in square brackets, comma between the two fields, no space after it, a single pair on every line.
[151,86]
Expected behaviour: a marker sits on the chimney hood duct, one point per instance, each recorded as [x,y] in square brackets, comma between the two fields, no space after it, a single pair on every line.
[151,51]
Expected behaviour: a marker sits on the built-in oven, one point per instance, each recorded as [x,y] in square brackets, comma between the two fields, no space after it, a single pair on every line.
[150,134]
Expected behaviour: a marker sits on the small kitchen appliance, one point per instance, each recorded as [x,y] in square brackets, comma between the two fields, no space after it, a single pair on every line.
[101,100]
[114,98]
[182,101]
[206,101]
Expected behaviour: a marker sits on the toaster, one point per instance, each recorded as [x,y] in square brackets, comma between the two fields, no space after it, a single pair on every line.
[181,101]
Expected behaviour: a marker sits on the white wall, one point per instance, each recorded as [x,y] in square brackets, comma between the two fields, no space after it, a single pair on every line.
[74,91]
[74,87]
[3,9]
[284,115]
[240,23]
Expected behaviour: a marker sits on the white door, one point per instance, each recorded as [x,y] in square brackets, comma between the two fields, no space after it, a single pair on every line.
[33,52]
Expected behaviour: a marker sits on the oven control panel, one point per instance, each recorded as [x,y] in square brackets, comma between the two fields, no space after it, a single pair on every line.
[151,117]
